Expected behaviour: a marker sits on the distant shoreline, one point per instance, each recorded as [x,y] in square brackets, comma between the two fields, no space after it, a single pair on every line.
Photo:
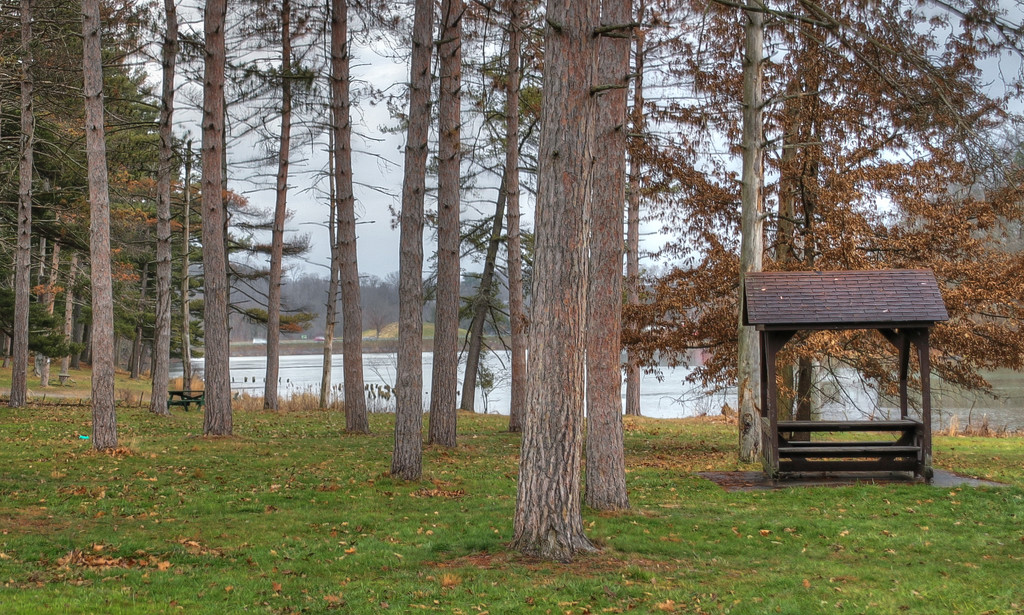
[370,345]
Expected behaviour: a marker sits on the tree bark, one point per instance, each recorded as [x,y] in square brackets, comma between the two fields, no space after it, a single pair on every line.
[445,377]
[406,462]
[40,285]
[217,419]
[785,246]
[49,298]
[356,419]
[751,236]
[633,217]
[23,257]
[548,521]
[104,418]
[482,302]
[186,246]
[270,401]
[516,304]
[606,464]
[162,328]
[331,311]
[135,364]
[86,354]
[69,308]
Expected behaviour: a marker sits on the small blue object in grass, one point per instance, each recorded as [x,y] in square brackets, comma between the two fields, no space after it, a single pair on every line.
[83,437]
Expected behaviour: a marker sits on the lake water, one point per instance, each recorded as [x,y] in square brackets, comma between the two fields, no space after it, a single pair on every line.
[841,394]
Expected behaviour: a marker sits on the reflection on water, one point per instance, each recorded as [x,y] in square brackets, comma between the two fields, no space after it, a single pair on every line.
[839,393]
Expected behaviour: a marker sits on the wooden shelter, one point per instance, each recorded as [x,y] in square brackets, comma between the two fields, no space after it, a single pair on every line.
[902,305]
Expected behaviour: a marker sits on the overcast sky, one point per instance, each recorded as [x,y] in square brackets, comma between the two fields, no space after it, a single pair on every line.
[377,162]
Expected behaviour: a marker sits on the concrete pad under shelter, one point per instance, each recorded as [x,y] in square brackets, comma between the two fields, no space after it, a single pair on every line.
[758,481]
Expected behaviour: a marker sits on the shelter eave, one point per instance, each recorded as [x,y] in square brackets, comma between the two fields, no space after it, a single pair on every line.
[835,326]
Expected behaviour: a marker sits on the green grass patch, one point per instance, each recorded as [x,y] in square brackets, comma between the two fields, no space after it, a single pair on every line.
[79,386]
[294,515]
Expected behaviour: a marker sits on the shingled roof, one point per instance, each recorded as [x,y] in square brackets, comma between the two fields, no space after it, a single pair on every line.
[843,299]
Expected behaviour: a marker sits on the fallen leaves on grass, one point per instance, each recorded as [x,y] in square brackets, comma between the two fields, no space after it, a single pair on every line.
[438,493]
[196,548]
[76,558]
[449,581]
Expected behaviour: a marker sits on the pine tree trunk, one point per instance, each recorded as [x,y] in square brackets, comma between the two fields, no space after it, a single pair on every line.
[162,327]
[548,521]
[104,418]
[270,401]
[186,241]
[805,381]
[23,257]
[49,298]
[406,462]
[445,377]
[217,419]
[356,419]
[135,364]
[751,242]
[69,309]
[606,464]
[40,284]
[516,305]
[482,303]
[786,234]
[633,217]
[331,311]
[86,354]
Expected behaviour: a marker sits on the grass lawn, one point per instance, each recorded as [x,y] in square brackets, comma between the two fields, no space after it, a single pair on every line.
[292,515]
[79,386]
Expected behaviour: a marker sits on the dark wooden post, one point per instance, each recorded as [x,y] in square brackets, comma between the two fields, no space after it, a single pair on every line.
[904,354]
[924,358]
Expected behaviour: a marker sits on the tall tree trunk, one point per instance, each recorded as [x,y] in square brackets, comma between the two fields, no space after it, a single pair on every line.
[186,246]
[445,378]
[331,311]
[808,189]
[135,364]
[606,463]
[23,257]
[69,309]
[270,401]
[86,354]
[40,283]
[49,299]
[217,419]
[356,419]
[785,246]
[516,304]
[406,462]
[162,328]
[104,418]
[751,242]
[482,302]
[548,520]
[633,215]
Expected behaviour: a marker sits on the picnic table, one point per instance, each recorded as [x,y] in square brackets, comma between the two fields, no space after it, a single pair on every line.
[185,398]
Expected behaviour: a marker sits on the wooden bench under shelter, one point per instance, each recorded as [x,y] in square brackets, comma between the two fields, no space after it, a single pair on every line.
[902,305]
[186,398]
